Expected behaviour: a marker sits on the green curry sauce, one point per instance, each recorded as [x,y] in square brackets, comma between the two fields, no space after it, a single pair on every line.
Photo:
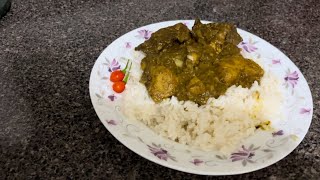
[195,65]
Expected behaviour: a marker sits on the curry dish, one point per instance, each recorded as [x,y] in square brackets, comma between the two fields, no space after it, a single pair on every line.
[195,64]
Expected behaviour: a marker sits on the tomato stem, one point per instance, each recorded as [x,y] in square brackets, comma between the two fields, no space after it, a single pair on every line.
[127,75]
[125,68]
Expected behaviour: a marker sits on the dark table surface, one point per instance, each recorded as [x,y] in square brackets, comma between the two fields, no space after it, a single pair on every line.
[48,127]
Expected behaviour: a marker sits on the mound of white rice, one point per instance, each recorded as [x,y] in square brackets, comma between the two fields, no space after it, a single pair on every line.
[222,124]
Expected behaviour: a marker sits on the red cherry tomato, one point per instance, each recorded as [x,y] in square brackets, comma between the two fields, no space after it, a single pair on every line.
[117,76]
[119,86]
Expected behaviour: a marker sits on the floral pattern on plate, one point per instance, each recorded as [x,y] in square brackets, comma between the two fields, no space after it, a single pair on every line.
[144,34]
[160,153]
[248,46]
[244,155]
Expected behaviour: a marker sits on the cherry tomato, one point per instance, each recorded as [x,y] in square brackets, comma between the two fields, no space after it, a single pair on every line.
[119,86]
[117,76]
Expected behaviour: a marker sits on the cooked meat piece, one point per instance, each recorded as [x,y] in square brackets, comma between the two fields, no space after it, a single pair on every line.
[196,86]
[163,83]
[165,38]
[238,70]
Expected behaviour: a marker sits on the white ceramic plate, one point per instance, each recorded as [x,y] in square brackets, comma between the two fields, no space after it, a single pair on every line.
[258,151]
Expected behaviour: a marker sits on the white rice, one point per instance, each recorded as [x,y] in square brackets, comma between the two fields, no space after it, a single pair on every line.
[222,124]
